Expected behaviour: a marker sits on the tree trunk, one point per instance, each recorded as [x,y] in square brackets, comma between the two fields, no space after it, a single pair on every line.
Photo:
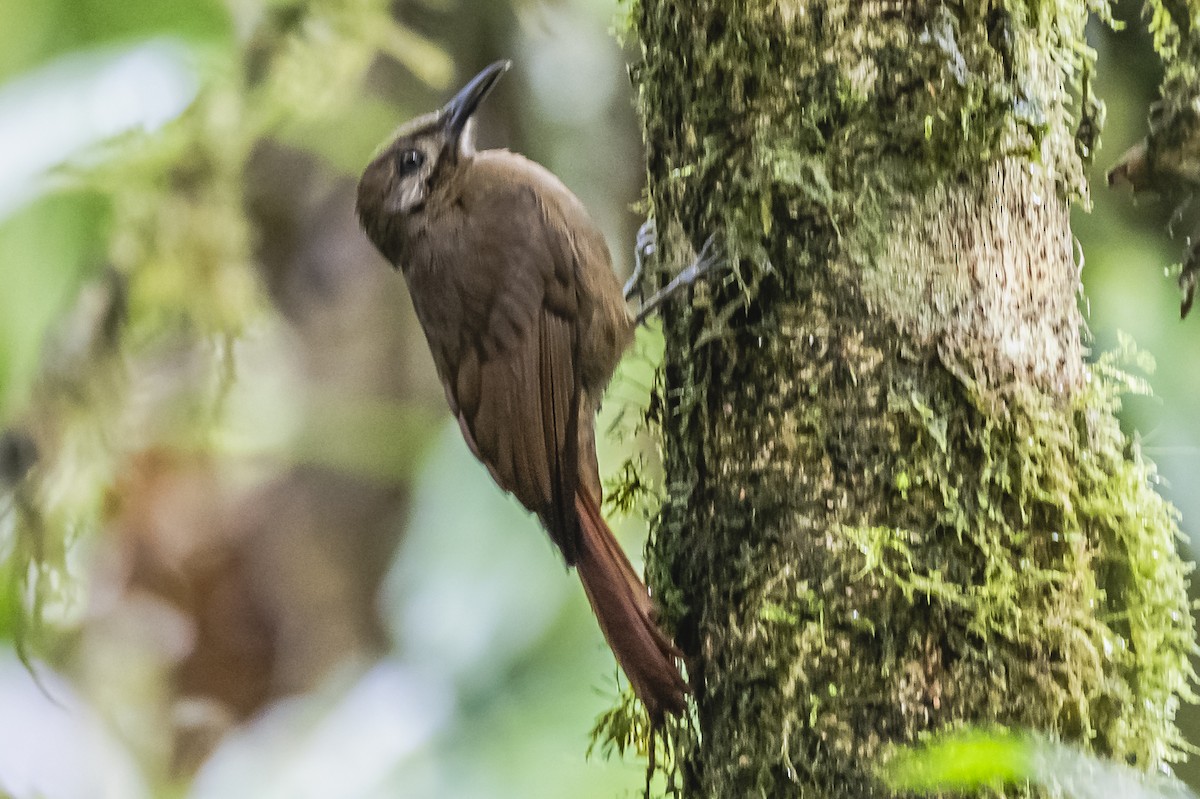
[898,499]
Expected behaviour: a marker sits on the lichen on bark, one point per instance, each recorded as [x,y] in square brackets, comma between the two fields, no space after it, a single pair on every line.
[897,499]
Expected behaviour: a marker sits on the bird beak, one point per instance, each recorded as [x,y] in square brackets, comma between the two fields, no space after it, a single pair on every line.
[458,111]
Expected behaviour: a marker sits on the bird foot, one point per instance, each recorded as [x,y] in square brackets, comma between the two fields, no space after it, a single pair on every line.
[708,260]
[644,249]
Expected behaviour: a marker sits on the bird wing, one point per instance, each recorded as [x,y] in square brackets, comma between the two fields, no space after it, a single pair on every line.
[515,387]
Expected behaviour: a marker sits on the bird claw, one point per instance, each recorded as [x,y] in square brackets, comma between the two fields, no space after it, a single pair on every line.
[708,259]
[644,249]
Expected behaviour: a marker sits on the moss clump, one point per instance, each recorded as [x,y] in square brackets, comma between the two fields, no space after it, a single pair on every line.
[877,525]
[971,564]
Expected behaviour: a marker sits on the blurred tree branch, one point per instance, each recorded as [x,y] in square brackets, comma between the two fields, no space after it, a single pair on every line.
[1167,161]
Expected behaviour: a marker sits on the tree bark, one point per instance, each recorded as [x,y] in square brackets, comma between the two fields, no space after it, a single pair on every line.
[898,500]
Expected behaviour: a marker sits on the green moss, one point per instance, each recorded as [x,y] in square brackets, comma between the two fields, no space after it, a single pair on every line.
[927,97]
[1028,577]
[874,528]
[1075,554]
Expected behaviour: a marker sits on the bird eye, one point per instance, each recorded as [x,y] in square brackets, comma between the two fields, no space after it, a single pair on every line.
[409,161]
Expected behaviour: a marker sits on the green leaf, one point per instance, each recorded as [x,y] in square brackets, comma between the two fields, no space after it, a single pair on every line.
[968,759]
[973,758]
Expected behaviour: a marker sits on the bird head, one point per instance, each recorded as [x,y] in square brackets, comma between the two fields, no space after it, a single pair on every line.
[400,178]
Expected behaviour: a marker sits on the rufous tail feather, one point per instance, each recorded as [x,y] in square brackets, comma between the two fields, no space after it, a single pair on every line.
[626,614]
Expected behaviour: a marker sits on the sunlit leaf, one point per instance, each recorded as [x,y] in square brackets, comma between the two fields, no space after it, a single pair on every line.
[973,759]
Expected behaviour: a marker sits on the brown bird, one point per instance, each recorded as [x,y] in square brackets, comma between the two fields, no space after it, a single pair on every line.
[513,285]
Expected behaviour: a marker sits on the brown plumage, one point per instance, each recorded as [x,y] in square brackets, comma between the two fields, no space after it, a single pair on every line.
[514,287]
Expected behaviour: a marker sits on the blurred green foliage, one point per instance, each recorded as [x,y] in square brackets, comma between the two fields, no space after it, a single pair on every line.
[37,32]
[1129,258]
[972,760]
[960,762]
[47,248]
[167,209]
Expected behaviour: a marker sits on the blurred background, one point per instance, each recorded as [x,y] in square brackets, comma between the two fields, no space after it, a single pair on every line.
[264,562]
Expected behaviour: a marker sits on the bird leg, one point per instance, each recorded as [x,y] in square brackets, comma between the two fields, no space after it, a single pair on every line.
[645,247]
[708,260]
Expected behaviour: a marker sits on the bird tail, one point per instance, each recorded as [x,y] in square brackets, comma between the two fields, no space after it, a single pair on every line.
[626,614]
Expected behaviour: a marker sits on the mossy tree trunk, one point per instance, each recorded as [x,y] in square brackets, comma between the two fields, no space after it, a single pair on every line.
[898,500]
